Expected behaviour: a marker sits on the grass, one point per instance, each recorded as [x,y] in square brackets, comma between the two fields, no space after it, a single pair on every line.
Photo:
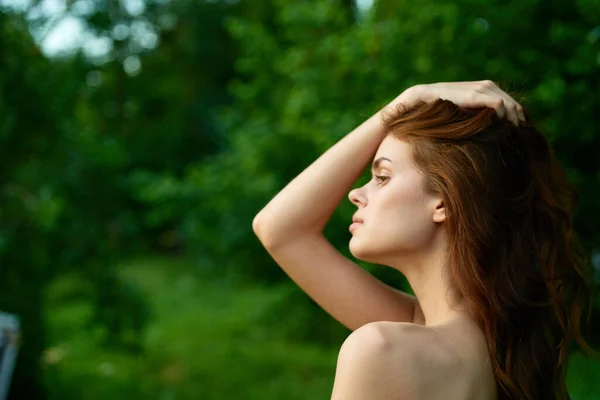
[206,340]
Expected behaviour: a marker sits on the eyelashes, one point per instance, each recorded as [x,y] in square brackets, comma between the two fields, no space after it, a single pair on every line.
[380,179]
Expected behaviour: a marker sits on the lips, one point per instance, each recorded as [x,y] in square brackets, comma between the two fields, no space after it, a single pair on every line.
[356,221]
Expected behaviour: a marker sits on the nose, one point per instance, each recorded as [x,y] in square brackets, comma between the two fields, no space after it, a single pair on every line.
[356,197]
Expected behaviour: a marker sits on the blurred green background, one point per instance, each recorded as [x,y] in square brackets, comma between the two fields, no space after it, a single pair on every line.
[139,138]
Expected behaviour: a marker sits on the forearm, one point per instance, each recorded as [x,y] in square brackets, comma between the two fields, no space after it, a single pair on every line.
[309,200]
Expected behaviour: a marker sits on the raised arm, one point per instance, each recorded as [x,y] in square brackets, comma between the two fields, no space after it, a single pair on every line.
[290,227]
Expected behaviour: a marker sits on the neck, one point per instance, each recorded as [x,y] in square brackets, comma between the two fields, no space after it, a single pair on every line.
[429,277]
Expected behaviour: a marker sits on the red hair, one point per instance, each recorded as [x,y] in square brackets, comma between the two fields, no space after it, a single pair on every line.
[513,252]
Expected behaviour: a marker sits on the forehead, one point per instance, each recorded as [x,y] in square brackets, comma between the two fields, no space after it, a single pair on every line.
[399,151]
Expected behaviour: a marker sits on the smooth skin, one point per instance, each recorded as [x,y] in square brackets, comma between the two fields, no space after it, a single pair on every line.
[402,346]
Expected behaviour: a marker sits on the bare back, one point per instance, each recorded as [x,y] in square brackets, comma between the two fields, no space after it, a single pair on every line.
[474,380]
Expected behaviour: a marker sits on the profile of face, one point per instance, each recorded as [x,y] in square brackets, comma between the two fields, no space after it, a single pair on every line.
[401,218]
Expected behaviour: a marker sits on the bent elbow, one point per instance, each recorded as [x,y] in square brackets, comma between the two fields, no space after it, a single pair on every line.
[261,233]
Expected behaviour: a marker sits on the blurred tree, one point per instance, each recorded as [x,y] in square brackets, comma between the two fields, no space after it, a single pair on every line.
[30,206]
[200,111]
[310,76]
[77,133]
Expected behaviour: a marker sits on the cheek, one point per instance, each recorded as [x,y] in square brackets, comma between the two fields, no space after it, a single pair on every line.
[401,218]
[401,204]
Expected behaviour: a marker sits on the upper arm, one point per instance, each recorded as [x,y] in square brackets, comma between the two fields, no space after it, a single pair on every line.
[371,367]
[341,287]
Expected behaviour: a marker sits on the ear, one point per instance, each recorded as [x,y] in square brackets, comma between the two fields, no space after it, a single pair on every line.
[439,213]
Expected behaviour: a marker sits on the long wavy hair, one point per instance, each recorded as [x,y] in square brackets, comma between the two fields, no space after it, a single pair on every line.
[513,252]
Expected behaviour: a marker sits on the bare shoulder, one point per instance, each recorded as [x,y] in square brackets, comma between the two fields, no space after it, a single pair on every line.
[403,361]
[386,360]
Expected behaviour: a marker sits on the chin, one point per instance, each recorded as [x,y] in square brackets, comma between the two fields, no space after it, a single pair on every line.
[355,247]
[376,252]
[362,251]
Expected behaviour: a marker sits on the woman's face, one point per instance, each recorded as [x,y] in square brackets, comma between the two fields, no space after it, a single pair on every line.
[400,216]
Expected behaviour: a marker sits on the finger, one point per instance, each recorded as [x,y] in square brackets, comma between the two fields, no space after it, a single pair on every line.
[478,100]
[510,105]
[521,112]
[500,108]
[491,88]
[513,115]
[509,102]
[513,107]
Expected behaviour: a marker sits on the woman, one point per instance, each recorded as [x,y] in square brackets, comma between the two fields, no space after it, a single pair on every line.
[468,202]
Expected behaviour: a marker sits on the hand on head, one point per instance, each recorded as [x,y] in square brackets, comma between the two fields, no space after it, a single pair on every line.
[466,95]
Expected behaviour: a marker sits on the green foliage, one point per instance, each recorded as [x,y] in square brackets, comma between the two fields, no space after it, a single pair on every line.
[309,76]
[236,99]
[206,340]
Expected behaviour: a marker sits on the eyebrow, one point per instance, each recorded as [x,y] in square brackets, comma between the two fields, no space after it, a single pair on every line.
[377,162]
